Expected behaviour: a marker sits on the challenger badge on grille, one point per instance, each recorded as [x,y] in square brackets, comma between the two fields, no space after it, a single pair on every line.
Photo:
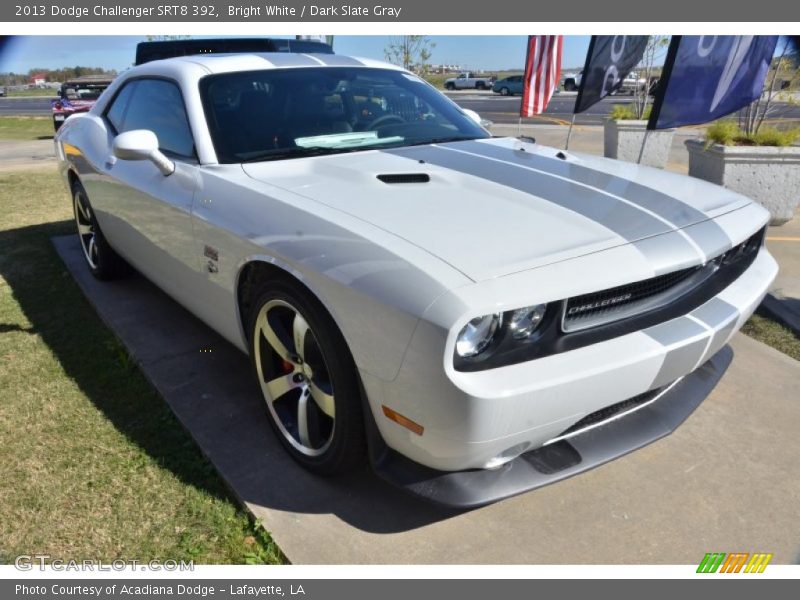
[574,310]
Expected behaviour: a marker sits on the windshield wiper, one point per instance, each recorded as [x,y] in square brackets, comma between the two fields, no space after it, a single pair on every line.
[290,153]
[302,152]
[443,140]
[322,150]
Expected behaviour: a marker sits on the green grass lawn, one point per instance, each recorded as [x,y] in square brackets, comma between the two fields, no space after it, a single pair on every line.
[26,128]
[94,464]
[773,334]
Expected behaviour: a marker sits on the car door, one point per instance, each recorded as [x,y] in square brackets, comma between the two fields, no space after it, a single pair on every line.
[145,214]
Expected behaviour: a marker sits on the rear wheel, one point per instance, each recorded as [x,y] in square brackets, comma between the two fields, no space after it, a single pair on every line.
[449,86]
[102,260]
[308,379]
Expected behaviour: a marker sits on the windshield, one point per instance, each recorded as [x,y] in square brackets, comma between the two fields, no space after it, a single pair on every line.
[81,91]
[287,113]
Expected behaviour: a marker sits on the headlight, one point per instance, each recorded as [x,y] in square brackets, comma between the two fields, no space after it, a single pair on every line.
[524,321]
[477,335]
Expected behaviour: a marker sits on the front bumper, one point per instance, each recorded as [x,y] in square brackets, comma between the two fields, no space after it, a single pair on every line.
[561,459]
[474,420]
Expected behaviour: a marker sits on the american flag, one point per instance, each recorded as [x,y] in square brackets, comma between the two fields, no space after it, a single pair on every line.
[542,73]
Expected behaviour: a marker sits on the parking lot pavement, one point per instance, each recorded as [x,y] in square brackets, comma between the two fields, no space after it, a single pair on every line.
[783,303]
[727,480]
[20,155]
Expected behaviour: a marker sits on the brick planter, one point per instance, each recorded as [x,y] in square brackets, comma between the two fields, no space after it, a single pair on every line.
[623,140]
[767,174]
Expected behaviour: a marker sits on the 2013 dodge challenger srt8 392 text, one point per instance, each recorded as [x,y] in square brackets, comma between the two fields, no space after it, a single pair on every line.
[475,316]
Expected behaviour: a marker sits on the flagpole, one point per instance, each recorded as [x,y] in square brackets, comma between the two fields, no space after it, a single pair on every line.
[569,133]
[661,91]
[644,143]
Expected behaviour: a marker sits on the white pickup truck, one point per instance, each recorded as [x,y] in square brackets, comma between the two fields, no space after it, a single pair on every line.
[468,81]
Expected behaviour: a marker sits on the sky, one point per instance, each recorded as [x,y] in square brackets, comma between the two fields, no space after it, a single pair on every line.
[491,53]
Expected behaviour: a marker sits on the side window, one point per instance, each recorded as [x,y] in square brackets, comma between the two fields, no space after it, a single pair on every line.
[116,114]
[157,105]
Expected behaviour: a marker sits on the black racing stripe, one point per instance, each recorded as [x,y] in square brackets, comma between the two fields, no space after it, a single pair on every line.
[665,206]
[625,220]
[335,60]
[287,59]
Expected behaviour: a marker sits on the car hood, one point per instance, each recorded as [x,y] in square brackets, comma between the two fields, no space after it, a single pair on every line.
[499,206]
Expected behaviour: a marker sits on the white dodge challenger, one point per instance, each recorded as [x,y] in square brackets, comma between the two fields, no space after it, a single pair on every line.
[474,316]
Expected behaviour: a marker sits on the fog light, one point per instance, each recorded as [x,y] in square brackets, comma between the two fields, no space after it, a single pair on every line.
[524,321]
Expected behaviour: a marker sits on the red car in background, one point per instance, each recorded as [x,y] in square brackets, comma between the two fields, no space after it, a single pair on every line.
[77,96]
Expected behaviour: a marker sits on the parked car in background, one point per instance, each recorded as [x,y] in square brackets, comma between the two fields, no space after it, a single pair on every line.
[571,81]
[2,92]
[468,81]
[508,86]
[475,316]
[632,84]
[77,96]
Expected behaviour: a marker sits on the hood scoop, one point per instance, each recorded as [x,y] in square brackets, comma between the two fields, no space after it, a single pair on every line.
[393,178]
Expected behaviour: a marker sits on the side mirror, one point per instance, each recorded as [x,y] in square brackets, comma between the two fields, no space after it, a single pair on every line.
[485,123]
[142,144]
[472,115]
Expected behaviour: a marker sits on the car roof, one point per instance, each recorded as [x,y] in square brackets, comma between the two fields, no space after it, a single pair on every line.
[228,63]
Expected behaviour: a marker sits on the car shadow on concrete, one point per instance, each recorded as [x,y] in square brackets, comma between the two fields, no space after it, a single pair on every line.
[59,314]
[206,383]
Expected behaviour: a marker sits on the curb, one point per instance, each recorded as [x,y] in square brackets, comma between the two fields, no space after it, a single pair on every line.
[777,310]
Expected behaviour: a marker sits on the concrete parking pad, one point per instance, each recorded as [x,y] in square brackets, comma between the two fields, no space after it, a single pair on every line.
[727,480]
[783,303]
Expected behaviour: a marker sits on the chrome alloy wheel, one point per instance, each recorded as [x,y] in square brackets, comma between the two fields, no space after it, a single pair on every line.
[294,377]
[86,230]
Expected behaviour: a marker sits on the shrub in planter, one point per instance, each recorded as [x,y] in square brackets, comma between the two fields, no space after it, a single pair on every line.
[763,165]
[624,133]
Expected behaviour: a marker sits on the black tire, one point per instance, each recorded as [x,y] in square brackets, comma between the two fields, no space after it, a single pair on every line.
[346,448]
[570,85]
[57,124]
[480,85]
[105,263]
[449,86]
[504,91]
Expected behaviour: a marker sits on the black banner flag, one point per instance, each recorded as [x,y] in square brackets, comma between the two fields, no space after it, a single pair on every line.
[608,62]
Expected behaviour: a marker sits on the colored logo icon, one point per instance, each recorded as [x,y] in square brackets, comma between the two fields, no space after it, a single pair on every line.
[736,562]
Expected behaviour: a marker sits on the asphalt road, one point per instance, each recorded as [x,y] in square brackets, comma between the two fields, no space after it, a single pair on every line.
[37,105]
[490,106]
[501,109]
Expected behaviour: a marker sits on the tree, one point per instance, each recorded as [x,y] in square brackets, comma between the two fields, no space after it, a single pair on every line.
[653,55]
[785,71]
[409,51]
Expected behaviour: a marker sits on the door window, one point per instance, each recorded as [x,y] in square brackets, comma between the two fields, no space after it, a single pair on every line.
[156,105]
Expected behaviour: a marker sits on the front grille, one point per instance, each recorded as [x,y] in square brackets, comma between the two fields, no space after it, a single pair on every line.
[604,414]
[598,308]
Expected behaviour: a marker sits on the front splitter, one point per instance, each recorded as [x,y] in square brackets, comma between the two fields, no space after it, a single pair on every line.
[557,461]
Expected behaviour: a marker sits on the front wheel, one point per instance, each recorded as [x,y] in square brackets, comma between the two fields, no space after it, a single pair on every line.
[449,86]
[504,91]
[308,379]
